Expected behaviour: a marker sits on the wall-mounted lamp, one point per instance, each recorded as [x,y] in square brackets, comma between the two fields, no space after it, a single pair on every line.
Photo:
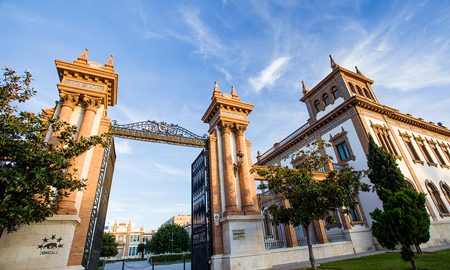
[239,157]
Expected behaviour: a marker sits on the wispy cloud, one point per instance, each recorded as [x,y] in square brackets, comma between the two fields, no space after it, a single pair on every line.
[205,40]
[166,169]
[269,75]
[399,57]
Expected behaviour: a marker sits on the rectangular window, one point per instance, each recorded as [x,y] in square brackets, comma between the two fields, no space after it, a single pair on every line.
[437,154]
[384,138]
[424,150]
[446,152]
[354,215]
[343,152]
[410,147]
[342,147]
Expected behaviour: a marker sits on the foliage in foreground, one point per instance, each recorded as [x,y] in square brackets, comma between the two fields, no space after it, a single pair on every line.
[34,174]
[170,238]
[109,246]
[390,261]
[404,219]
[309,198]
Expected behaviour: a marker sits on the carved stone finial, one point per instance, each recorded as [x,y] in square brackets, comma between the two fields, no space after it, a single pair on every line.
[84,55]
[216,88]
[233,92]
[110,62]
[305,89]
[358,71]
[332,63]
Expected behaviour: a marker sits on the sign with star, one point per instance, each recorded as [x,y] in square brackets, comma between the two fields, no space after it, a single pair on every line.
[50,245]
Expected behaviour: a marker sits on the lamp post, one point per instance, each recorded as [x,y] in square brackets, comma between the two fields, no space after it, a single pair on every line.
[239,157]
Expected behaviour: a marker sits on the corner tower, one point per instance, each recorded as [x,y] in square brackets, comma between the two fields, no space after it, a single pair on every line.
[237,224]
[336,88]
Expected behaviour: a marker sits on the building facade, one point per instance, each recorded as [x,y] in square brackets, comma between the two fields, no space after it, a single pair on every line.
[184,221]
[343,110]
[128,237]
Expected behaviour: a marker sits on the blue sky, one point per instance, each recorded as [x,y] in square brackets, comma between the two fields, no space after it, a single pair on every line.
[169,53]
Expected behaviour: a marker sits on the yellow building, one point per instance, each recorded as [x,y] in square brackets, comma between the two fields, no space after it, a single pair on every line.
[128,238]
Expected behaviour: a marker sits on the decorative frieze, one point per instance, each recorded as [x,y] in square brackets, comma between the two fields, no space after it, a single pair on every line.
[84,85]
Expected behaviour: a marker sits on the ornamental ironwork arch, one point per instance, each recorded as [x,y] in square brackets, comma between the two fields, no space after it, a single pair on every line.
[160,132]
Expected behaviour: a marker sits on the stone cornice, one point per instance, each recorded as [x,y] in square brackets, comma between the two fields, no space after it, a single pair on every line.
[90,75]
[220,102]
[355,101]
[395,114]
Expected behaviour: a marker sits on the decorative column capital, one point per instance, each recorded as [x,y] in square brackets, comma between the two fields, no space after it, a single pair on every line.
[92,103]
[240,129]
[69,99]
[225,127]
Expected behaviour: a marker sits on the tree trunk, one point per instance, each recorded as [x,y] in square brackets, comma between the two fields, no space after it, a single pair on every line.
[413,264]
[418,249]
[310,249]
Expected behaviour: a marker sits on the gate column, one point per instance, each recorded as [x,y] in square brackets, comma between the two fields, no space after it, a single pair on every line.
[236,220]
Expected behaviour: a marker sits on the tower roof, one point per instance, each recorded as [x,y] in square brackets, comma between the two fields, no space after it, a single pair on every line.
[89,77]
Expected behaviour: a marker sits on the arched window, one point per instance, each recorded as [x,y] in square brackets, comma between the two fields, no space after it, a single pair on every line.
[336,93]
[366,92]
[317,105]
[359,91]
[326,99]
[436,196]
[352,88]
[409,184]
[446,189]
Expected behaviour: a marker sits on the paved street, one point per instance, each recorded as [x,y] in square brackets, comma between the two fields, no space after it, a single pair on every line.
[146,266]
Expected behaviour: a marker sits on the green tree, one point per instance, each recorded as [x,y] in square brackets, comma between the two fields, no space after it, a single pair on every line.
[142,248]
[170,238]
[34,174]
[404,219]
[383,172]
[109,246]
[311,198]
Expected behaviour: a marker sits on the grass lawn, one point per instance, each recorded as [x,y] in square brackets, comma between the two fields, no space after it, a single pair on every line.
[439,260]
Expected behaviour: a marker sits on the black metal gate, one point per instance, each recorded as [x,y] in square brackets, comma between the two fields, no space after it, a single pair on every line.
[201,215]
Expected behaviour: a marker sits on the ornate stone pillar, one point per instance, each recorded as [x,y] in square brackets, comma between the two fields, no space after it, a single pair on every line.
[244,183]
[67,204]
[92,104]
[321,232]
[68,103]
[215,195]
[230,186]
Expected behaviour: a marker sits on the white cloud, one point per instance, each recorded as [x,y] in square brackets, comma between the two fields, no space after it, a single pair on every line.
[270,74]
[395,59]
[123,147]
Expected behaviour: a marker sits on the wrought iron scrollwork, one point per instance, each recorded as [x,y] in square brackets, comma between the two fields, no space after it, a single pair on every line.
[159,132]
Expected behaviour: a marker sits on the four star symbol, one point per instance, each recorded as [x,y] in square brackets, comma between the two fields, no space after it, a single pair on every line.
[45,240]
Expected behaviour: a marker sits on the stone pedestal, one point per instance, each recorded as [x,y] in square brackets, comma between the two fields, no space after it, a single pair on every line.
[361,238]
[242,235]
[43,245]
